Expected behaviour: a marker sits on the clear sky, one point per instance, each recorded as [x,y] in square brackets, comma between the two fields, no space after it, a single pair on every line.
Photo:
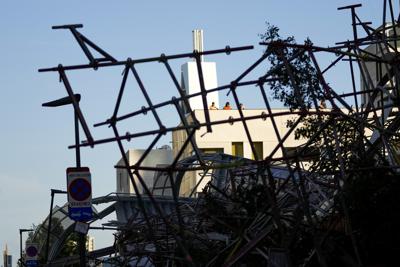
[34,140]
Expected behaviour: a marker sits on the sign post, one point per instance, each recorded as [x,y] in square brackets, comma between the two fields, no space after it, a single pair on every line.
[31,252]
[79,188]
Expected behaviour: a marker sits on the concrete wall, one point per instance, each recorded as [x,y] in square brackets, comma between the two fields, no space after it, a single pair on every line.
[223,135]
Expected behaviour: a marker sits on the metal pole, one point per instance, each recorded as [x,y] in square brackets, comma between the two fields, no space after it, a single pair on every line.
[82,237]
[77,150]
[49,226]
[20,246]
[53,192]
[82,250]
[74,100]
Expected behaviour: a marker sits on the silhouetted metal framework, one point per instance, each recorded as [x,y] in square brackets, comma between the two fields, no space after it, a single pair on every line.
[225,226]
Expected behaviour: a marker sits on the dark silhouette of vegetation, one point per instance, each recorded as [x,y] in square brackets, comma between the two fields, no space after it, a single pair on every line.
[298,85]
[368,204]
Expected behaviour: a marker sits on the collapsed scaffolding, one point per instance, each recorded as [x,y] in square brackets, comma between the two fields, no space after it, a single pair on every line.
[281,210]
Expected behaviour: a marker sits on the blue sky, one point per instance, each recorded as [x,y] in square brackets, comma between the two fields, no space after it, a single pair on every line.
[34,140]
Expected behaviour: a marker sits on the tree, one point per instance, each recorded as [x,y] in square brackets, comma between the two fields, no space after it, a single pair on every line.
[297,84]
[366,203]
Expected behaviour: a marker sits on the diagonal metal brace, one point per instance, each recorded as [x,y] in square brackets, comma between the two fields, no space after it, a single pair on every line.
[84,42]
[75,104]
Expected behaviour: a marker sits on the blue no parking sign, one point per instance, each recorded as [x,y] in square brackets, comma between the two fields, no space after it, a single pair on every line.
[79,188]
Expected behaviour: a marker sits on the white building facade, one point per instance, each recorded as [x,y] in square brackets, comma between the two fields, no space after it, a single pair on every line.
[231,138]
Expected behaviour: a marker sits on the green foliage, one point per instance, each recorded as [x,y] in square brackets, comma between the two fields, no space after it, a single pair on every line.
[334,137]
[302,89]
[70,247]
[368,186]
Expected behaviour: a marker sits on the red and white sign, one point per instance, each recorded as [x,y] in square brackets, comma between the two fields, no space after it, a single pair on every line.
[79,188]
[31,251]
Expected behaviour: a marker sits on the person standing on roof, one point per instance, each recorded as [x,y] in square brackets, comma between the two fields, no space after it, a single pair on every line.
[227,106]
[213,107]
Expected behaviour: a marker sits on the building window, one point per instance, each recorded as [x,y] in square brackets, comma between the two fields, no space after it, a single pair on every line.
[258,146]
[212,150]
[237,149]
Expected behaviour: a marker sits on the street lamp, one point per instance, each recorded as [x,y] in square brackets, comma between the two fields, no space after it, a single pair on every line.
[74,100]
[53,192]
[20,243]
[67,101]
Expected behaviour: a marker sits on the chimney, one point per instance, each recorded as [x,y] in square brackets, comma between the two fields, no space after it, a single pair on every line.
[198,42]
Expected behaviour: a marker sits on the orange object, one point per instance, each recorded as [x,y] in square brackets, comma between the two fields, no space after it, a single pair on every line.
[227,106]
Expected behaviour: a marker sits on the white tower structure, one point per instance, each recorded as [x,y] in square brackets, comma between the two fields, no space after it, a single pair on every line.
[156,158]
[190,77]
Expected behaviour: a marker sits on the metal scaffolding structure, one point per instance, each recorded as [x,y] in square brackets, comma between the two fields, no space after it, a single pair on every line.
[287,208]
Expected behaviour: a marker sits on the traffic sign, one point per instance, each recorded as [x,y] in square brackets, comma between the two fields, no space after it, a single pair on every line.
[81,227]
[31,254]
[79,190]
[31,263]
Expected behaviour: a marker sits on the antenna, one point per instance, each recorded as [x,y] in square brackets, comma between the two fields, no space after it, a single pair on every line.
[198,42]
